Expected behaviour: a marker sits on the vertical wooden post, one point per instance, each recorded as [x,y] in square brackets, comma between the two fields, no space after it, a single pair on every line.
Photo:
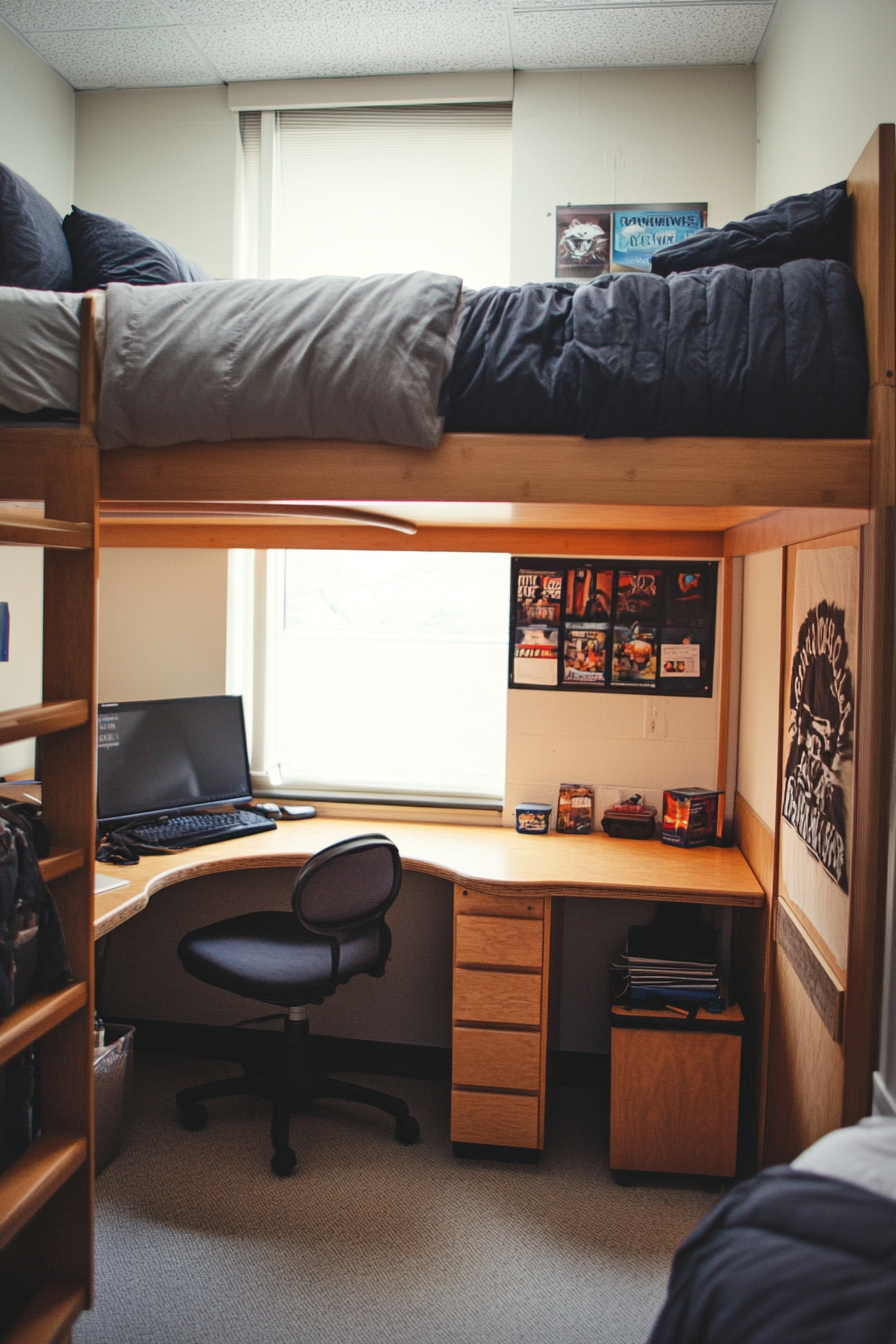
[872,188]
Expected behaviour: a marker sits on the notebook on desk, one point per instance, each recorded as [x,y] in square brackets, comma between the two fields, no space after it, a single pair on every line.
[102,883]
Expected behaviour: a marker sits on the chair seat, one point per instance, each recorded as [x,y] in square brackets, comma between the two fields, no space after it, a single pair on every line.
[267,955]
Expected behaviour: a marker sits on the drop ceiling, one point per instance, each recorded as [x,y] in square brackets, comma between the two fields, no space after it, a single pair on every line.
[161,43]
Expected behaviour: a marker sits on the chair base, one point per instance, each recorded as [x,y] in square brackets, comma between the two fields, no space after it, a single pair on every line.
[292,1088]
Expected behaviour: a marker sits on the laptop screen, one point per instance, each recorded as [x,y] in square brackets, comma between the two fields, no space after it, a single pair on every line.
[160,757]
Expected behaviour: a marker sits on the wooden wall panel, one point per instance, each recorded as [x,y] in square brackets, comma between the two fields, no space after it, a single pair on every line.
[817,977]
[753,977]
[805,1071]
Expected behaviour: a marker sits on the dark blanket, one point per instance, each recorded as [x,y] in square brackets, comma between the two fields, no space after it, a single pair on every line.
[721,351]
[786,1258]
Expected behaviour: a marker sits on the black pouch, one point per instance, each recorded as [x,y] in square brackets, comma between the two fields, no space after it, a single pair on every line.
[33,957]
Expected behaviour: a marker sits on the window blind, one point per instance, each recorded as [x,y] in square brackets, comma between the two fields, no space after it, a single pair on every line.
[250,135]
[363,190]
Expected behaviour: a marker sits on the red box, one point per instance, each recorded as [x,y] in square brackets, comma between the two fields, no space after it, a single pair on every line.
[692,817]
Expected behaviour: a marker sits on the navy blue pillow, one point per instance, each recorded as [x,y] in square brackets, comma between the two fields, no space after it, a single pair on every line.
[104,251]
[814,227]
[33,250]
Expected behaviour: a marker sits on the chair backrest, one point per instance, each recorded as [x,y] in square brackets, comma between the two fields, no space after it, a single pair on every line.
[351,882]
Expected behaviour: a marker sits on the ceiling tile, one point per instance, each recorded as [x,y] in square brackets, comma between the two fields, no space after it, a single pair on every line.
[521,6]
[649,34]
[420,39]
[56,15]
[124,58]
[220,13]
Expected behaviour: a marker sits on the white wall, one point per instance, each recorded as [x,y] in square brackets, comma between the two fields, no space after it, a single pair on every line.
[605,740]
[37,140]
[37,121]
[606,136]
[165,161]
[826,78]
[162,623]
[758,735]
[21,585]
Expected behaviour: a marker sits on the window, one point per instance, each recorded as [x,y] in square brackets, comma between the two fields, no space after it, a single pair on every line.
[355,191]
[377,675]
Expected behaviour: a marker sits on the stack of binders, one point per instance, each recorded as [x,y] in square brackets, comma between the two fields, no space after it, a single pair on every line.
[670,962]
[647,980]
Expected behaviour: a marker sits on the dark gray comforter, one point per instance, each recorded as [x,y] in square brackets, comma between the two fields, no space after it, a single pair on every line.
[721,351]
[789,1257]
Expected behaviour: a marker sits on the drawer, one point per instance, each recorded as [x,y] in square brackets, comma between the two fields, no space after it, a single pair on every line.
[494,1117]
[483,1058]
[482,941]
[468,902]
[497,996]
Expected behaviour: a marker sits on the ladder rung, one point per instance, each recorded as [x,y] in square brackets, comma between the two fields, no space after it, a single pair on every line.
[53,716]
[60,862]
[34,1178]
[38,1015]
[49,1316]
[27,527]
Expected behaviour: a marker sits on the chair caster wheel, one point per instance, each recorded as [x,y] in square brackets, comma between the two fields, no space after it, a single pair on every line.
[283,1162]
[623,1178]
[194,1117]
[407,1130]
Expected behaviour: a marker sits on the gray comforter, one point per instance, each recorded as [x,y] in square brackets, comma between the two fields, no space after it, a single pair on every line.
[331,357]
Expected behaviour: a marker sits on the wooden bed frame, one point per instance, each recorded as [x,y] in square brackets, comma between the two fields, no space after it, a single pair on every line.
[531,494]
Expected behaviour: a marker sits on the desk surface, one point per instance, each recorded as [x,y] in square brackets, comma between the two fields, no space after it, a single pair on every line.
[492,859]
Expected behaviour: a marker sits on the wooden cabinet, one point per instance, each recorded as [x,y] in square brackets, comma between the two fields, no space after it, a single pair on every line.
[500,1014]
[674,1092]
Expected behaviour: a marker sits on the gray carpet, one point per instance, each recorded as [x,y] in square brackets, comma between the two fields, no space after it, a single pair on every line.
[370,1242]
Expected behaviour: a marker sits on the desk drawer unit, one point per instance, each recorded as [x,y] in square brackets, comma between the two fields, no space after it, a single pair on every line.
[499,1015]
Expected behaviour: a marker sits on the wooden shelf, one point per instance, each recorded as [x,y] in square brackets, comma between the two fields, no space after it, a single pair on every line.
[35,1177]
[38,1015]
[30,528]
[53,716]
[60,862]
[49,1316]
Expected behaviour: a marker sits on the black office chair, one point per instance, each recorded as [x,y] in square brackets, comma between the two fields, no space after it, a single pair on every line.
[337,930]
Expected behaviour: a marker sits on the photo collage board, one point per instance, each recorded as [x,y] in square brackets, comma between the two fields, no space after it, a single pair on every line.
[628,626]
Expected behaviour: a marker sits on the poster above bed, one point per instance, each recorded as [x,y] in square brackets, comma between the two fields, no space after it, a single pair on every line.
[642,627]
[595,239]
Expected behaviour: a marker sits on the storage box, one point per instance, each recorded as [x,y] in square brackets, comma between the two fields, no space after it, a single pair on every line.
[112,1070]
[692,817]
[533,818]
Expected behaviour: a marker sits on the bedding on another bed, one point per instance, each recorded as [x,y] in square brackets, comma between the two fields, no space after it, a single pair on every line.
[328,357]
[804,1254]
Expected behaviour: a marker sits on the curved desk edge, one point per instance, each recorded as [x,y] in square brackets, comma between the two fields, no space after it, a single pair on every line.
[493,860]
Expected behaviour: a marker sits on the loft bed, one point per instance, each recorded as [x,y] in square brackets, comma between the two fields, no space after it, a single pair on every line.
[697,497]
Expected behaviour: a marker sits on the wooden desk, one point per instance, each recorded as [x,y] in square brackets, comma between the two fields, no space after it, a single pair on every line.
[504,884]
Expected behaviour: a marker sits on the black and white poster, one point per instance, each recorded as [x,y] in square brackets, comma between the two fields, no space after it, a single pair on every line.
[818,770]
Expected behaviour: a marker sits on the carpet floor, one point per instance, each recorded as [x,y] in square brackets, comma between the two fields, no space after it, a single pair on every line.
[370,1242]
